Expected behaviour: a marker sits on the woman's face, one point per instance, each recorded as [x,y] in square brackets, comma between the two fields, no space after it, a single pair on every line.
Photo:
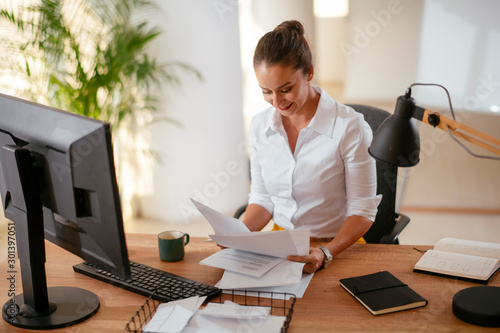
[286,89]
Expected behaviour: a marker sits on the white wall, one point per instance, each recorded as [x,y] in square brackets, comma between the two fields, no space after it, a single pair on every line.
[268,14]
[204,158]
[460,49]
[381,48]
[393,43]
[329,59]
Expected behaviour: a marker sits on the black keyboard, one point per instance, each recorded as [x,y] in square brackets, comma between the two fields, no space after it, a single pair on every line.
[149,281]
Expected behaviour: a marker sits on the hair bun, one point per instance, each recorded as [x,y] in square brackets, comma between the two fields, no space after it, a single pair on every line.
[292,25]
[286,45]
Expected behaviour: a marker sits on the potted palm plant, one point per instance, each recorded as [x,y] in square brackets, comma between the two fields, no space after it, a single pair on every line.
[89,57]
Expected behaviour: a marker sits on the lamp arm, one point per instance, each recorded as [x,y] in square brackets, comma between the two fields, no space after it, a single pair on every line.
[396,141]
[457,129]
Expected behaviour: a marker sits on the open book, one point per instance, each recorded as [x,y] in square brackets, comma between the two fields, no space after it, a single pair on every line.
[467,260]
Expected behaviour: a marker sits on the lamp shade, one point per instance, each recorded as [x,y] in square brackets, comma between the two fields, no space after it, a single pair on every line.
[396,140]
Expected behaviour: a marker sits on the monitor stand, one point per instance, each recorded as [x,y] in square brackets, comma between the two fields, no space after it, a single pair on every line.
[32,309]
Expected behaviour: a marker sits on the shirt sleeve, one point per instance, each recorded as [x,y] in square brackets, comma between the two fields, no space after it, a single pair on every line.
[360,170]
[258,191]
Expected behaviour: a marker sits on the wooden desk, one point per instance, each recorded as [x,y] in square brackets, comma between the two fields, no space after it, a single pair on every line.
[325,307]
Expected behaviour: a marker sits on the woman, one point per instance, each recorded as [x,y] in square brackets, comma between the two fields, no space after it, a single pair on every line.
[310,165]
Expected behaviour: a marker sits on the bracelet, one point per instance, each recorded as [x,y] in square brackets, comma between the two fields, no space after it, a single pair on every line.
[328,257]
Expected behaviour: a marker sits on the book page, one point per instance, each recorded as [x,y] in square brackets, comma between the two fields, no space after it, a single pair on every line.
[475,248]
[455,264]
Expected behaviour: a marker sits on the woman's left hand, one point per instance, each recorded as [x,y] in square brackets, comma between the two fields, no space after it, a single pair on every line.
[313,261]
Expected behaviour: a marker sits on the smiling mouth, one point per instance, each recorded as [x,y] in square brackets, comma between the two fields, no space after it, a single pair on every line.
[286,107]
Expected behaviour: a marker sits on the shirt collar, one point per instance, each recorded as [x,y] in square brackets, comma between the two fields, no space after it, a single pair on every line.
[273,122]
[322,121]
[324,118]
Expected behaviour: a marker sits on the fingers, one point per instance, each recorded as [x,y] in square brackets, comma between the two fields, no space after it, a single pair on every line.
[303,259]
[309,268]
[312,262]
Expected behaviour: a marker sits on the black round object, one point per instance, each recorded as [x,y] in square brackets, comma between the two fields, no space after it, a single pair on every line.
[433,119]
[478,305]
[68,306]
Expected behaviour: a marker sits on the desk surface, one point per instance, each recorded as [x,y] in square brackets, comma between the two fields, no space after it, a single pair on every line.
[325,307]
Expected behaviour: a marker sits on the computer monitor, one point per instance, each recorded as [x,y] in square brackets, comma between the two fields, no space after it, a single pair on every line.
[57,182]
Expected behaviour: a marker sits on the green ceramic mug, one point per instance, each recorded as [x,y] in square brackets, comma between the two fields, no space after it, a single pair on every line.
[171,245]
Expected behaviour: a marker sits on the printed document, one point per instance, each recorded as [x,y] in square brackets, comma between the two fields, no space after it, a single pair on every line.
[287,291]
[256,259]
[233,233]
[250,263]
[285,273]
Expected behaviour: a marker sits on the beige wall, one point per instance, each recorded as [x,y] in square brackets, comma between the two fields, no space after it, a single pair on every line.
[448,177]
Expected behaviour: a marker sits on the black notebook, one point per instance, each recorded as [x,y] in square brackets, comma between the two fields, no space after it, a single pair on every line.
[382,293]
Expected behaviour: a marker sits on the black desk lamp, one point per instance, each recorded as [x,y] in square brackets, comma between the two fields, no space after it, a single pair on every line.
[397,142]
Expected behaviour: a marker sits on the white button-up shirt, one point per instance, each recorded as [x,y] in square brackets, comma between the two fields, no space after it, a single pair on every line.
[329,177]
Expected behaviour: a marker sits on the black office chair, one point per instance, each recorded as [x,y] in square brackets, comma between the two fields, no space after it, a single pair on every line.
[388,224]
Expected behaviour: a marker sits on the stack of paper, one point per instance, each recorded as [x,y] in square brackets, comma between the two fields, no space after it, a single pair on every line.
[256,260]
[231,317]
[186,317]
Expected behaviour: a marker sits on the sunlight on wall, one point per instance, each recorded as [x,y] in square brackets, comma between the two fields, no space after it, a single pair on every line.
[250,33]
[331,8]
[467,64]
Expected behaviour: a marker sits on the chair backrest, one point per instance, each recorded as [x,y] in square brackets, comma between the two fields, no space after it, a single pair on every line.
[386,181]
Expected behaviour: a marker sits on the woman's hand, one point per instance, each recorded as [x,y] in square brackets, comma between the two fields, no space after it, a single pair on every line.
[313,261]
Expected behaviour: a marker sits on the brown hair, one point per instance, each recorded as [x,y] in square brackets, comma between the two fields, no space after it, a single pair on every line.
[285,45]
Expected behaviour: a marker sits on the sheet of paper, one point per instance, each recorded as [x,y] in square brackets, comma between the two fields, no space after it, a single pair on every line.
[208,324]
[170,319]
[174,316]
[234,310]
[285,273]
[221,223]
[250,263]
[190,303]
[273,243]
[297,289]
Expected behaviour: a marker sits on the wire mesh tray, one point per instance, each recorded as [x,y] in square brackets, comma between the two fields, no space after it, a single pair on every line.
[280,304]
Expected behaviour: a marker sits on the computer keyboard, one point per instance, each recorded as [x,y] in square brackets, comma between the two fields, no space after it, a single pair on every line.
[149,281]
